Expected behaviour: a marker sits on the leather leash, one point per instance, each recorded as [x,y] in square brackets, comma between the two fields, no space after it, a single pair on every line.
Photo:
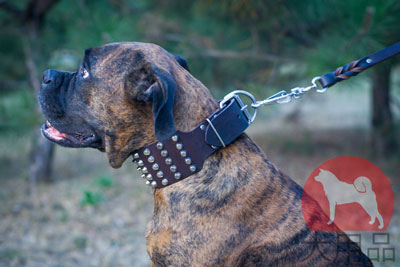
[357,66]
[165,163]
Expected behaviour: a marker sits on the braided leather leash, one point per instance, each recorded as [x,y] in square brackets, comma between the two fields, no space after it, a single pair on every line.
[357,66]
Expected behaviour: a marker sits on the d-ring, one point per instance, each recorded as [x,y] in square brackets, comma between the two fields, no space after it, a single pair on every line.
[236,94]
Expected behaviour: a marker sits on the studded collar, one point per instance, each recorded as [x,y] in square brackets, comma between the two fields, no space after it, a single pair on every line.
[165,163]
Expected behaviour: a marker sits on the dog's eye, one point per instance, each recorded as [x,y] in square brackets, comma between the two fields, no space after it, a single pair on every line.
[84,73]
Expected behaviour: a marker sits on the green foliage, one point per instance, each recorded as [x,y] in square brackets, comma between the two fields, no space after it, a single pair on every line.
[361,28]
[16,111]
[104,181]
[91,198]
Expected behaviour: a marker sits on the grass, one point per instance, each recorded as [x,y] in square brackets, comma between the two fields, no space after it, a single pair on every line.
[104,181]
[92,198]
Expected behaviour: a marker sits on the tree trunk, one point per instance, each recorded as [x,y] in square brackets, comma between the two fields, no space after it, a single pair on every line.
[41,155]
[383,141]
[31,19]
[41,158]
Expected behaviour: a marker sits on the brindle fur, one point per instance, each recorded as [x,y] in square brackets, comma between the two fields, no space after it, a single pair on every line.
[239,210]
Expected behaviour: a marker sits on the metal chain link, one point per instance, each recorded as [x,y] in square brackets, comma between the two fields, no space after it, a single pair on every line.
[281,97]
[284,97]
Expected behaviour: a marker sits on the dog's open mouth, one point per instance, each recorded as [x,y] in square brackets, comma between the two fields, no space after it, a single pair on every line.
[76,139]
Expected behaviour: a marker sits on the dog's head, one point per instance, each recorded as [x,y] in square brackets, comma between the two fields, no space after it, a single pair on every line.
[121,98]
[322,176]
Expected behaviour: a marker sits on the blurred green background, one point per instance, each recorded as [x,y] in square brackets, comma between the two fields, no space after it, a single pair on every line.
[65,207]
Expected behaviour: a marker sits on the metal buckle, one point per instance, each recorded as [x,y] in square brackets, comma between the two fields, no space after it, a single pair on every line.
[243,107]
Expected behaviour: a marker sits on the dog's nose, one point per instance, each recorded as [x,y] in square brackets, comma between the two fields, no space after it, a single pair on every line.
[48,76]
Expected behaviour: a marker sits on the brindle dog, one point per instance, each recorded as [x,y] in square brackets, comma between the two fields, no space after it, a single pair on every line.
[239,210]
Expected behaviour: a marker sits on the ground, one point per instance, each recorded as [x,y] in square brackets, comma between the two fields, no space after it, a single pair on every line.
[95,216]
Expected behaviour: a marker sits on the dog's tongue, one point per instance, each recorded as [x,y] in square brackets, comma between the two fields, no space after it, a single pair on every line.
[53,132]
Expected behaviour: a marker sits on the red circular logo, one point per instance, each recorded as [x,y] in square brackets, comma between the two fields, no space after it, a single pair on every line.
[347,193]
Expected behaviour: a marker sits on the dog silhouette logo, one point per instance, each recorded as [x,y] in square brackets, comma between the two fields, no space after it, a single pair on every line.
[339,192]
[347,193]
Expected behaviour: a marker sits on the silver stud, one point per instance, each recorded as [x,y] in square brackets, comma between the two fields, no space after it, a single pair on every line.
[159,145]
[369,60]
[146,152]
[213,147]
[164,153]
[160,174]
[192,168]
[144,170]
[188,161]
[177,175]
[139,168]
[154,184]
[183,153]
[149,177]
[150,159]
[140,163]
[202,127]
[136,155]
[143,176]
[148,183]
[174,138]
[179,146]
[164,181]
[155,166]
[168,161]
[172,168]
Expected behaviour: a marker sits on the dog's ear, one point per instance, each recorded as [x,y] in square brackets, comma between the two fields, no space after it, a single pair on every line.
[182,62]
[151,85]
[162,95]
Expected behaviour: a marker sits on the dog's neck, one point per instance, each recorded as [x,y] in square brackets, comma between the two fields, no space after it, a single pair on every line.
[193,103]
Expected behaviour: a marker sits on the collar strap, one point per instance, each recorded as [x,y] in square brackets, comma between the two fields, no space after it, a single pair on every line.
[165,163]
